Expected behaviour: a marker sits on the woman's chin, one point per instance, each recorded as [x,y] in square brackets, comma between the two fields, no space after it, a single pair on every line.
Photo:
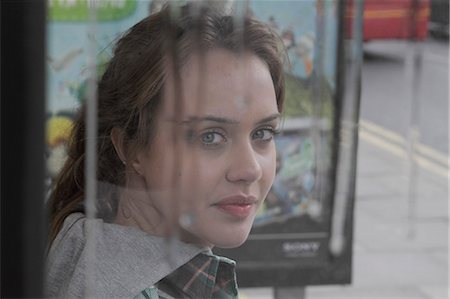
[230,245]
[230,241]
[220,239]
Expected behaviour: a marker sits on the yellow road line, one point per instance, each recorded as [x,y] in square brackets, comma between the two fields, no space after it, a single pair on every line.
[396,138]
[426,157]
[387,134]
[429,152]
[380,142]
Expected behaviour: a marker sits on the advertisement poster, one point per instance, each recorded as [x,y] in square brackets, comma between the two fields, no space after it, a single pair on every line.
[293,225]
[68,41]
[292,229]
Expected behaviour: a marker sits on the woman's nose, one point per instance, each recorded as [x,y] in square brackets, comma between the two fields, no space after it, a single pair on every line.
[244,165]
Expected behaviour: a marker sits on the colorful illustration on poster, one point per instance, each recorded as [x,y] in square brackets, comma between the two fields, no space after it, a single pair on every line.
[293,193]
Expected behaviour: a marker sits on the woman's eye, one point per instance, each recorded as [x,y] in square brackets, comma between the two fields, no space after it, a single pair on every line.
[212,138]
[265,134]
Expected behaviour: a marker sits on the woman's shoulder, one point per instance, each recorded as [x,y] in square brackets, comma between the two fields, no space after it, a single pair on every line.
[123,260]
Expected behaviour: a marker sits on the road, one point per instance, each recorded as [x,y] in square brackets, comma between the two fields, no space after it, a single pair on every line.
[387,90]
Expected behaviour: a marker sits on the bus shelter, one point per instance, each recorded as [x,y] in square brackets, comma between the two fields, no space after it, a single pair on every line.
[302,235]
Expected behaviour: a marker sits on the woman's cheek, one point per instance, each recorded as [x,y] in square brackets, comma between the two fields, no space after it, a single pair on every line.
[269,168]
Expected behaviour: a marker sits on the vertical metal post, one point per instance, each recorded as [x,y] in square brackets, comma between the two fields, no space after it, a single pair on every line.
[317,94]
[413,67]
[90,167]
[349,114]
[22,147]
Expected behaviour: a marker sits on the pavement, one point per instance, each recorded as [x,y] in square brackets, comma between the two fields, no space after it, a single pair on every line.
[400,225]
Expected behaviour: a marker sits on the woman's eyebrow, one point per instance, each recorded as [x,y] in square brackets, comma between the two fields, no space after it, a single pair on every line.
[270,118]
[222,120]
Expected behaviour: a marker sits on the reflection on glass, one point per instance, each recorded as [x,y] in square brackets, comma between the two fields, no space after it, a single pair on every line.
[188,105]
[292,228]
[203,112]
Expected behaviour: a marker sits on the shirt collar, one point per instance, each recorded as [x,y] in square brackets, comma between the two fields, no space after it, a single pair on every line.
[205,276]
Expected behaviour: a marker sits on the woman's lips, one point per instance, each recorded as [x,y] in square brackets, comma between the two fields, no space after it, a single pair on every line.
[239,206]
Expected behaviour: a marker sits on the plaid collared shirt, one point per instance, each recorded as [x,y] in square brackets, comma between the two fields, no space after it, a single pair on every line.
[205,276]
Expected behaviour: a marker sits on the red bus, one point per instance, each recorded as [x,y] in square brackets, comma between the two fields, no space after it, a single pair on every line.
[393,19]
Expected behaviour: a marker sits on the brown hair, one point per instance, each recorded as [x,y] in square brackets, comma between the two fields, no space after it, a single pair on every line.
[130,91]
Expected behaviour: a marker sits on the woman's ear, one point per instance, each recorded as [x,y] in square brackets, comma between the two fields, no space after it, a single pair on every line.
[138,163]
[117,140]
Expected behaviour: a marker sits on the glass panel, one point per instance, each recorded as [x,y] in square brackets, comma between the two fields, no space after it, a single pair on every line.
[292,228]
[175,142]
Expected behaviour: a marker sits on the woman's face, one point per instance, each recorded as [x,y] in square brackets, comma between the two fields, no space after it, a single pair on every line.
[211,163]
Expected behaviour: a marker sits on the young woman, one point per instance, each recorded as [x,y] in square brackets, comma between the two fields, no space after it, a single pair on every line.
[187,111]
